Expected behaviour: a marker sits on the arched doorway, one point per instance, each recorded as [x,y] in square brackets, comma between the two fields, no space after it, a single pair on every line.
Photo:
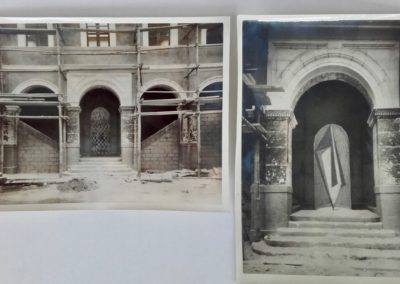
[100,124]
[339,103]
[159,132]
[152,124]
[49,126]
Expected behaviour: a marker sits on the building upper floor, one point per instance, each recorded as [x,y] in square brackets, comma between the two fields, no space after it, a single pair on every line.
[110,43]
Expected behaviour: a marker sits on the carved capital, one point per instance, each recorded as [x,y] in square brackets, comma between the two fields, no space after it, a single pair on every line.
[71,109]
[127,109]
[12,110]
[382,113]
[280,113]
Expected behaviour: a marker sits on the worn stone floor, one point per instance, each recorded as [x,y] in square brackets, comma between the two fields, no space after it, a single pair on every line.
[326,242]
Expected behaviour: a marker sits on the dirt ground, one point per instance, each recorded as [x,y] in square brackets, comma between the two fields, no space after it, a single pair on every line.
[162,188]
[322,261]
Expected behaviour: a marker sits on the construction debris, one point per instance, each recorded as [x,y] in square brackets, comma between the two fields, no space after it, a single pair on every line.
[78,185]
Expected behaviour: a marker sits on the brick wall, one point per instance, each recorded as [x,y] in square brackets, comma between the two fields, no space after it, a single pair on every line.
[37,153]
[161,150]
[211,140]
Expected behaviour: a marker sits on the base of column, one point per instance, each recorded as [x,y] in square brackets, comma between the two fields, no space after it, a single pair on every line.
[188,156]
[127,156]
[271,208]
[388,203]
[73,155]
[10,159]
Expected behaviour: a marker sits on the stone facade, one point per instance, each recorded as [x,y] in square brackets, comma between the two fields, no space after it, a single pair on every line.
[78,68]
[296,62]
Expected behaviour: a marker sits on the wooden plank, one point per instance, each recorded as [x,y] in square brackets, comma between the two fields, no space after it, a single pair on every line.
[26,95]
[28,103]
[34,117]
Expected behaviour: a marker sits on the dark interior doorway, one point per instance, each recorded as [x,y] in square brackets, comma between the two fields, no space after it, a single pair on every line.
[100,124]
[154,123]
[339,103]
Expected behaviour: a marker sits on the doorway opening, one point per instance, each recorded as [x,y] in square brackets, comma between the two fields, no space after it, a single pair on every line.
[333,102]
[100,123]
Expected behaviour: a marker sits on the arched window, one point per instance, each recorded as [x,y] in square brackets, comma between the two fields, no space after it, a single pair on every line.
[210,97]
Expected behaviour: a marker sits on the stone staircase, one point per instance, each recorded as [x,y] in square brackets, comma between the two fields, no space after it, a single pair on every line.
[325,242]
[100,166]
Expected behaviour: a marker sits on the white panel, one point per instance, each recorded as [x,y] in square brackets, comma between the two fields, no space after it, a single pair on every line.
[83,36]
[145,36]
[173,36]
[21,38]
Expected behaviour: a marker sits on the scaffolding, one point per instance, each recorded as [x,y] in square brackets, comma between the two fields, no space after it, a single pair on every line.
[185,107]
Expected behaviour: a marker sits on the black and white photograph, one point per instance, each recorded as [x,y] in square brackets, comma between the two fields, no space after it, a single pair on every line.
[113,113]
[318,147]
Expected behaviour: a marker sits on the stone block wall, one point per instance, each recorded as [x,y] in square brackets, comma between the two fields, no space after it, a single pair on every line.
[271,196]
[387,166]
[211,140]
[37,153]
[160,151]
[388,150]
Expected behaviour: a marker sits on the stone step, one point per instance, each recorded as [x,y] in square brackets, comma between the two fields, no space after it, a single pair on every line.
[338,225]
[333,241]
[100,159]
[263,248]
[336,215]
[106,166]
[100,163]
[343,232]
[100,170]
[98,174]
[331,261]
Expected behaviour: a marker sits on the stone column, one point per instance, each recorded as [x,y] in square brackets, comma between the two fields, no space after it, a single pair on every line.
[386,140]
[127,134]
[10,140]
[73,135]
[271,197]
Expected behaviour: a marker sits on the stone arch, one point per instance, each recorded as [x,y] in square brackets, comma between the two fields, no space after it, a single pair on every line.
[31,83]
[352,66]
[209,81]
[166,83]
[100,84]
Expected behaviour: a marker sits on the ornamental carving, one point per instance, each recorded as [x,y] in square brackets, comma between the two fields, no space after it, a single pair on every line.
[189,129]
[73,126]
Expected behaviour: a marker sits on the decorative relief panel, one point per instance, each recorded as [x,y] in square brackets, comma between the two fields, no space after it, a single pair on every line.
[127,125]
[73,125]
[189,129]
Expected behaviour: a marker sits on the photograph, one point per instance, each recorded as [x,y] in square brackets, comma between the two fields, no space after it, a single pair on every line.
[103,113]
[318,147]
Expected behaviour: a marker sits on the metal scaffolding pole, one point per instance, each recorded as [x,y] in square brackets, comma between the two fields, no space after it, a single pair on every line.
[138,102]
[1,121]
[198,104]
[1,143]
[59,107]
